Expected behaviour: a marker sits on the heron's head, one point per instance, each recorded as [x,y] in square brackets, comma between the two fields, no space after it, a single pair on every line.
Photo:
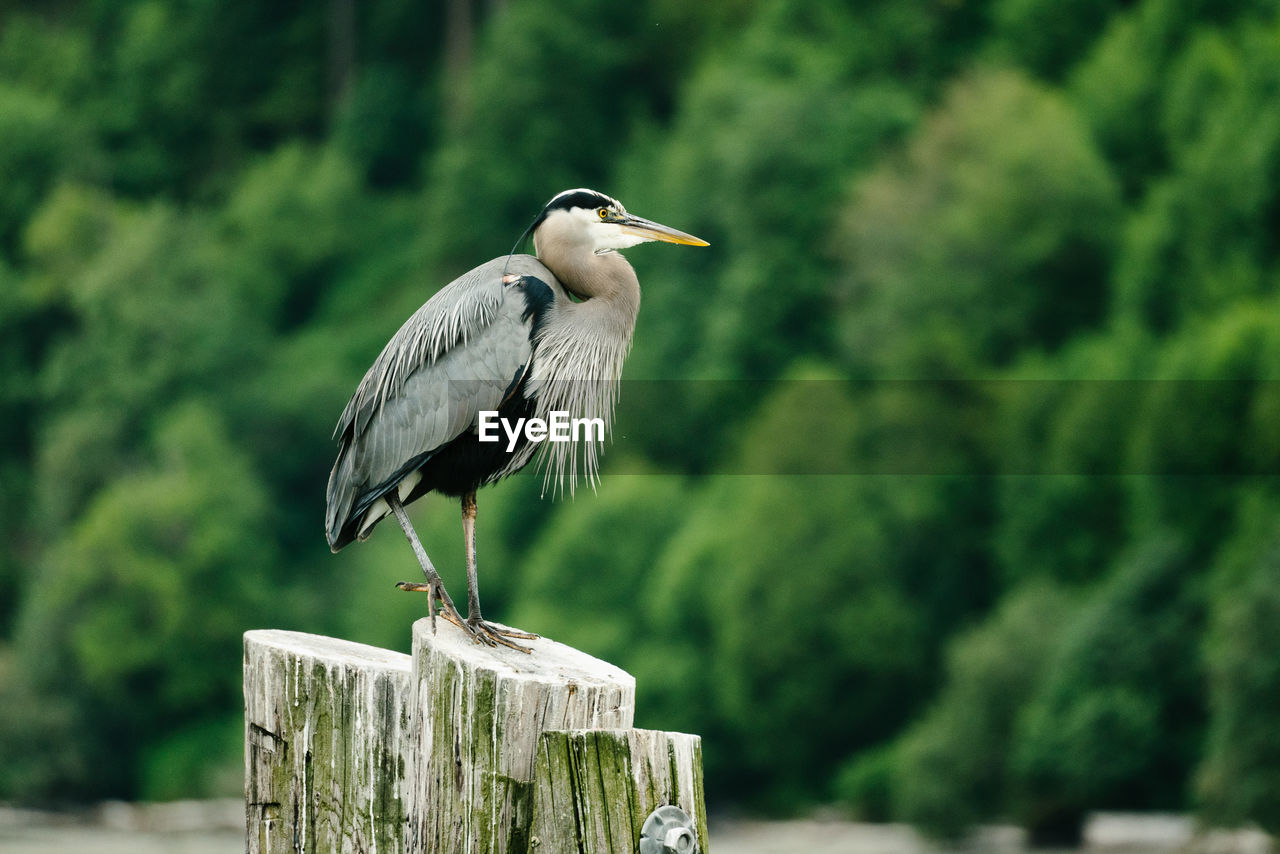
[589,222]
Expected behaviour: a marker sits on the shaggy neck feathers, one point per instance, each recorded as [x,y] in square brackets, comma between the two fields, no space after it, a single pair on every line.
[582,347]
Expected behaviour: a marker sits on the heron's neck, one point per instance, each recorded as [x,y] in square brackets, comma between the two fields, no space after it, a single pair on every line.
[607,286]
[581,351]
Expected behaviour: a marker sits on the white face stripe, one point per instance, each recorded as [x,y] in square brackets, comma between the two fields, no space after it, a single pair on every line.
[583,225]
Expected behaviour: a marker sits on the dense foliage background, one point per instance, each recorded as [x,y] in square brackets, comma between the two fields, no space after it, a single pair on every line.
[945,484]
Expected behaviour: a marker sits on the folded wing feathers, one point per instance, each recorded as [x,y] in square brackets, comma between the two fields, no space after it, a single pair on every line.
[446,320]
[399,411]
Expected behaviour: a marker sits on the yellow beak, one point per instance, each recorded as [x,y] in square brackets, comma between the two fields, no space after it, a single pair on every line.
[651,230]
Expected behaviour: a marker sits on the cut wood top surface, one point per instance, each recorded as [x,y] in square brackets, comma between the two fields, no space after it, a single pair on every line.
[329,649]
[546,661]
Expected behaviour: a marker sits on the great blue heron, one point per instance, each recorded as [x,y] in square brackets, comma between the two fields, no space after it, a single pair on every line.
[522,336]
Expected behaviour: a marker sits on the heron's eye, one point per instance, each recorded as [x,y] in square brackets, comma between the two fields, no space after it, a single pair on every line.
[604,213]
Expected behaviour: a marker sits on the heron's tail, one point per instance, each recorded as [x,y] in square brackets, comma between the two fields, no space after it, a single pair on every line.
[340,499]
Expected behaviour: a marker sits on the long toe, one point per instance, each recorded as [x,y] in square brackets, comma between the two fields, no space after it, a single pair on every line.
[450,613]
[512,633]
[490,634]
[455,618]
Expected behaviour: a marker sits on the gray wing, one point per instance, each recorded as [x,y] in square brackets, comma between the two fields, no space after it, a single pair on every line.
[456,356]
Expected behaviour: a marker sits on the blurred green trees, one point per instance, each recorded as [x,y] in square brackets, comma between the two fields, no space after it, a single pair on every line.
[955,766]
[944,481]
[1238,778]
[990,237]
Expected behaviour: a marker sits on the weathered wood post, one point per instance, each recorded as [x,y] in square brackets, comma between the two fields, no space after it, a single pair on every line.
[595,789]
[458,748]
[477,715]
[325,731]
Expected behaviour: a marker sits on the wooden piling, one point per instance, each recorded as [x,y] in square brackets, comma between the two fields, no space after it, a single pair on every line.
[594,789]
[478,713]
[457,748]
[325,732]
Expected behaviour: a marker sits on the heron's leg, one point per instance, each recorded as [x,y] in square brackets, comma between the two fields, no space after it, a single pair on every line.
[434,585]
[469,545]
[483,630]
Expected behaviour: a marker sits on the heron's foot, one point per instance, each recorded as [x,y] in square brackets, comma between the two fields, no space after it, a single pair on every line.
[435,587]
[481,630]
[491,634]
